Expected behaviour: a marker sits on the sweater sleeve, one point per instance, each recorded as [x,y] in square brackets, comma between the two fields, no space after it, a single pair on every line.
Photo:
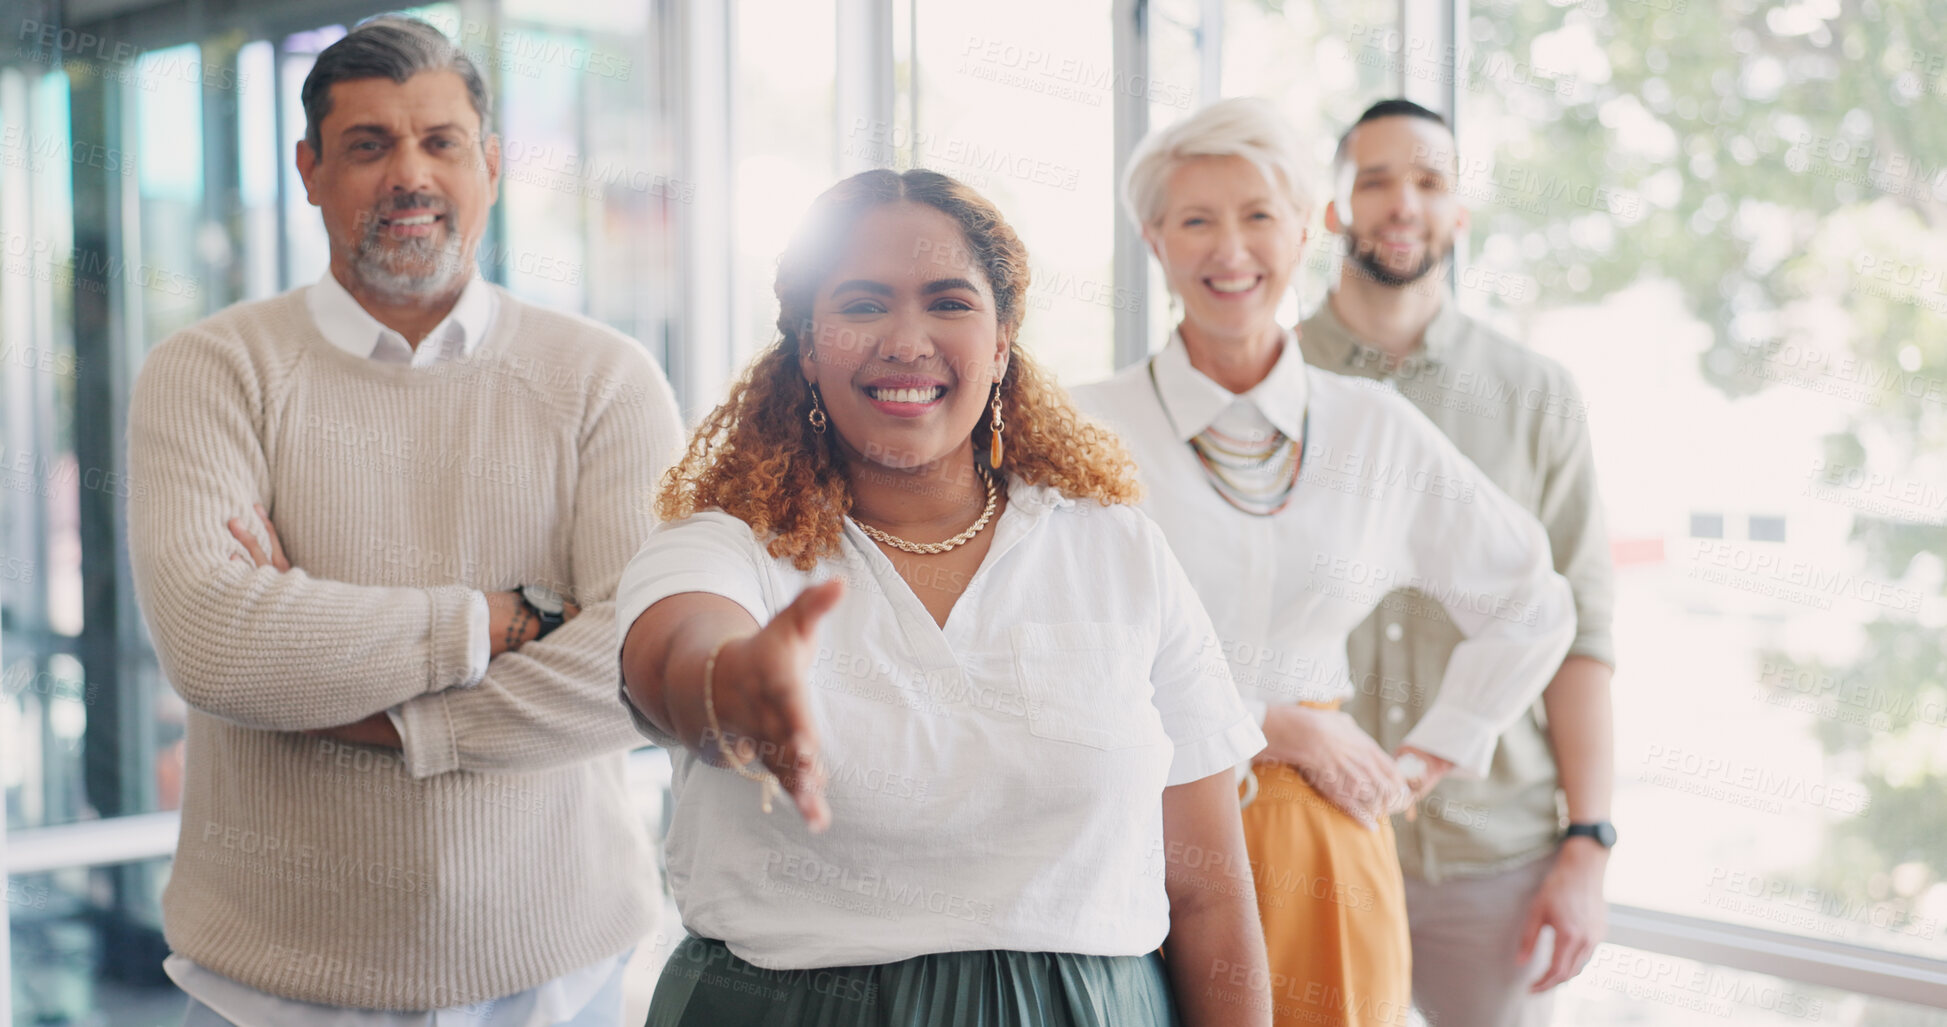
[552,702]
[281,651]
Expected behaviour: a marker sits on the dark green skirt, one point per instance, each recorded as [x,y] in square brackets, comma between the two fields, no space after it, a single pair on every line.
[705,985]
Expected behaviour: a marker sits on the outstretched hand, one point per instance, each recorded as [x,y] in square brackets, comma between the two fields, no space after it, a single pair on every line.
[761,686]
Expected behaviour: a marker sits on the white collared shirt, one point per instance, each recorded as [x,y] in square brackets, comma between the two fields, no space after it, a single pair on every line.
[350,327]
[557,1001]
[994,784]
[1384,501]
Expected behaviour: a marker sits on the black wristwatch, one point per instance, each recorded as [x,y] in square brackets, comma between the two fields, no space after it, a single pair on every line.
[546,606]
[1602,831]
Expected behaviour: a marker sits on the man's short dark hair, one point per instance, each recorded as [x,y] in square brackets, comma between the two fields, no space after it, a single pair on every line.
[1394,108]
[389,46]
[1397,108]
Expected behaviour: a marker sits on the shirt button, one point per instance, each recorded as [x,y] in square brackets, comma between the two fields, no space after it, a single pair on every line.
[1394,632]
[1394,714]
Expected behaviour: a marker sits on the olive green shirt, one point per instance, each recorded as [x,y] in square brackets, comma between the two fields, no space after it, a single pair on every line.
[1518,415]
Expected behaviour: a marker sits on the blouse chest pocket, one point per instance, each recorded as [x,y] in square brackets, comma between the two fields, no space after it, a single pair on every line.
[1087,683]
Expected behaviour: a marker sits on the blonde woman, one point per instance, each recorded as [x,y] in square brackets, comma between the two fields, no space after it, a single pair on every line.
[1297,499]
[900,585]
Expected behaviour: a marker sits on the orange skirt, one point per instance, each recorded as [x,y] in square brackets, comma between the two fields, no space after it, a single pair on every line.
[1333,904]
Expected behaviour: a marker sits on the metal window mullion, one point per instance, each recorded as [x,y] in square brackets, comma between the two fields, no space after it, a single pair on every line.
[222,174]
[27,318]
[278,129]
[700,350]
[1431,70]
[1427,30]
[107,842]
[107,329]
[1457,15]
[912,83]
[865,85]
[1130,261]
[1854,968]
[9,80]
[484,18]
[1210,52]
[6,915]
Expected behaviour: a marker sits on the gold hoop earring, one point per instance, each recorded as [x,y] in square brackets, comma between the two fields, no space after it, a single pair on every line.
[817,416]
[996,447]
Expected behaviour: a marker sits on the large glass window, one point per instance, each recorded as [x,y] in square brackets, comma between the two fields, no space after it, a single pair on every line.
[1726,220]
[307,251]
[1321,64]
[257,171]
[1017,99]
[586,179]
[41,576]
[786,146]
[166,98]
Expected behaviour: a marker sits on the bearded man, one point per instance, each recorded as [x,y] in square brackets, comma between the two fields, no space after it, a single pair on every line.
[378,555]
[1495,868]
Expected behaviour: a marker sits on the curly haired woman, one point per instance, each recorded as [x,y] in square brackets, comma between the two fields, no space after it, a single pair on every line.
[900,585]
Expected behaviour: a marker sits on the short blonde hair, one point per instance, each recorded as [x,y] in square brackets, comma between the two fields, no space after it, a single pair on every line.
[1245,127]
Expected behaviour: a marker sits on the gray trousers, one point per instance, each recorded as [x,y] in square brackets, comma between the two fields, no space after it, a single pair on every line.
[1466,935]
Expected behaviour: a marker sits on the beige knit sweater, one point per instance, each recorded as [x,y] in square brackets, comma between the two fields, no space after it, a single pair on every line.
[500,850]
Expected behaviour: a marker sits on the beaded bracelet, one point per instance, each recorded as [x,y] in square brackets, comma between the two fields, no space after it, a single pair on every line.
[736,763]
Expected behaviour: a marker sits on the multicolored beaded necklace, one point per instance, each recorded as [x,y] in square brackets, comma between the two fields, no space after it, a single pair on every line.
[1258,477]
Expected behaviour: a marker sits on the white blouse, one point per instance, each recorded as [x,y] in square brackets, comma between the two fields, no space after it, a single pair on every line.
[996,784]
[1384,502]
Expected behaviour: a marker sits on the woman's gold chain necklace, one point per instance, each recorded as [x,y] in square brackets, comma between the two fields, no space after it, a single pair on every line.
[936,548]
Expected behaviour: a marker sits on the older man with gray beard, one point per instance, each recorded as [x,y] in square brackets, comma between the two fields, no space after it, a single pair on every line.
[378,559]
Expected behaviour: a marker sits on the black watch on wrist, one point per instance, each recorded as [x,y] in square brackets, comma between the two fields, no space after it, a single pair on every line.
[1602,831]
[546,606]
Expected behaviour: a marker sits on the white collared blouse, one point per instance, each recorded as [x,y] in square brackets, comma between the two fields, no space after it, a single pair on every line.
[995,783]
